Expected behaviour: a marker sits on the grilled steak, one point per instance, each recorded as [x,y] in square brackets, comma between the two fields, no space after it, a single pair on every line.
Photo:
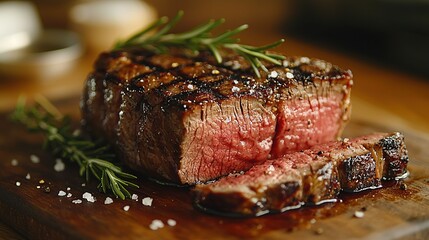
[311,176]
[186,119]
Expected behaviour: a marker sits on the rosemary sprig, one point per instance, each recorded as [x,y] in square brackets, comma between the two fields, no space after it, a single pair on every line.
[93,158]
[157,38]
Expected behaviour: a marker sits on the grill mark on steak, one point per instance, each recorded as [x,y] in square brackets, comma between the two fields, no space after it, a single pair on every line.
[155,109]
[310,176]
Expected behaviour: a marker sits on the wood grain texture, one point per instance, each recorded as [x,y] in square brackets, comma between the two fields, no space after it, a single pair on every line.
[390,211]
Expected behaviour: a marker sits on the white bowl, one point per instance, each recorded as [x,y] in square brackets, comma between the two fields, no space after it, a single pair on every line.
[50,54]
[102,23]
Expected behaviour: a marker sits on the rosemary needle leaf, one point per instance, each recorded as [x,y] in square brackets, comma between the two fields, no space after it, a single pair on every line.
[93,158]
[200,38]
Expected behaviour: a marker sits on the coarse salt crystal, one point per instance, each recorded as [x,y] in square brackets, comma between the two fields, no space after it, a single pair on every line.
[14,162]
[28,177]
[34,158]
[83,184]
[108,200]
[156,224]
[69,195]
[77,201]
[61,193]
[305,60]
[190,86]
[359,214]
[88,196]
[285,63]
[126,208]
[18,184]
[135,197]
[215,71]
[289,75]
[235,82]
[68,188]
[171,222]
[147,201]
[235,89]
[273,74]
[59,165]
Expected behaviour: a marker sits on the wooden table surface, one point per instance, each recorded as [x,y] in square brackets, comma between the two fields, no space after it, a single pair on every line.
[383,96]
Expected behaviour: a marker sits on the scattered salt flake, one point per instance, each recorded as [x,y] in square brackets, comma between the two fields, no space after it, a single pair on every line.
[28,177]
[69,195]
[171,222]
[147,201]
[83,184]
[289,75]
[359,214]
[68,189]
[59,165]
[135,197]
[346,140]
[108,200]
[77,201]
[14,162]
[34,158]
[235,89]
[273,74]
[126,208]
[18,184]
[61,193]
[156,224]
[38,187]
[88,196]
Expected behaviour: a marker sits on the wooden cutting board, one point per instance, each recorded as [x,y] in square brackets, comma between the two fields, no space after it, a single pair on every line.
[390,212]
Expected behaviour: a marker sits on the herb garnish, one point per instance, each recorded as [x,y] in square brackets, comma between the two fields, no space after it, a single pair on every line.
[93,158]
[156,38]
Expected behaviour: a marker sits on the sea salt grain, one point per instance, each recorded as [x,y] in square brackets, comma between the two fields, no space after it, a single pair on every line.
[69,195]
[18,184]
[59,165]
[68,189]
[359,214]
[61,193]
[156,224]
[88,196]
[289,75]
[273,74]
[14,162]
[34,158]
[147,201]
[135,197]
[126,208]
[108,200]
[77,201]
[171,222]
[28,177]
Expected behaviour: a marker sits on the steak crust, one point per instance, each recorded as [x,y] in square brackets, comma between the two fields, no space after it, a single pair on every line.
[185,119]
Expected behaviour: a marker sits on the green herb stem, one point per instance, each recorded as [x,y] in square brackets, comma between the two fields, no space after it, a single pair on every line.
[93,158]
[156,37]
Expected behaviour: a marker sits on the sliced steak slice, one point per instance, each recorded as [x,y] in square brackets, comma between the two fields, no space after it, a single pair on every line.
[311,176]
[186,119]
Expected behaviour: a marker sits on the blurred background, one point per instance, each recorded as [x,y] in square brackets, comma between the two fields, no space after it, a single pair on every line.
[392,34]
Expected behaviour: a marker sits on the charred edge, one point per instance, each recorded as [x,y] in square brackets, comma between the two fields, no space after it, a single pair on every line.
[358,173]
[395,155]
